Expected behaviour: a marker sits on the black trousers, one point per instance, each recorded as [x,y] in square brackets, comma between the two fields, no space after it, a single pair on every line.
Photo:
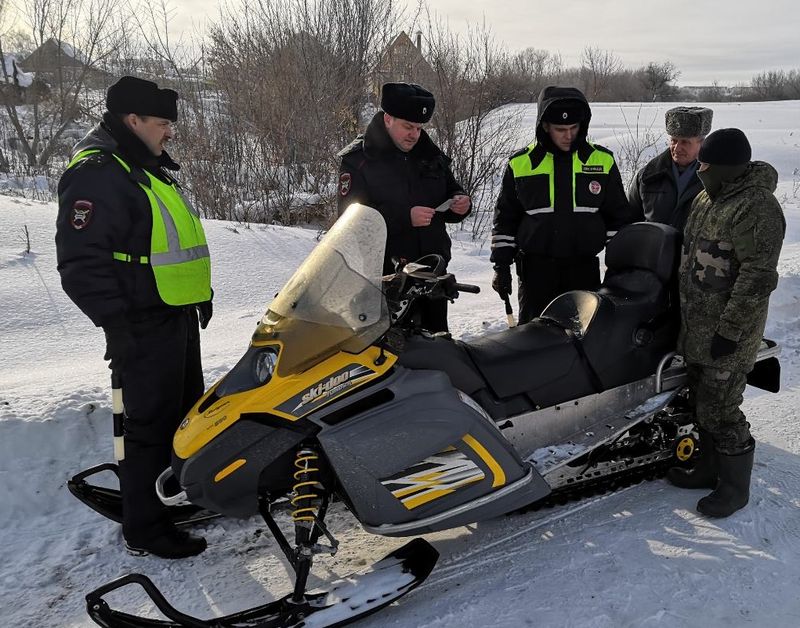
[160,383]
[542,279]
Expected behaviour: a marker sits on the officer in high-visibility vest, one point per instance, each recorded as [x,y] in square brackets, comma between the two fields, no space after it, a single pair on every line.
[133,257]
[561,199]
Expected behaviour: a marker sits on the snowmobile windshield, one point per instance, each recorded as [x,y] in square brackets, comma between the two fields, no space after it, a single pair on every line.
[333,302]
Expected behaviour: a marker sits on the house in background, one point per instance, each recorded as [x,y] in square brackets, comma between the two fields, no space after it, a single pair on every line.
[403,61]
[57,62]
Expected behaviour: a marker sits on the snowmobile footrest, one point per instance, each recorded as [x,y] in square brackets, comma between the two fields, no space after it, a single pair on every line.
[107,501]
[346,600]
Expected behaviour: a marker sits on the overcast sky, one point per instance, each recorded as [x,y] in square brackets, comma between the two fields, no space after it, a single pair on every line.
[707,40]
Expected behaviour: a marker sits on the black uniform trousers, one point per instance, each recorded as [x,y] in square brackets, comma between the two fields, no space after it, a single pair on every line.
[542,279]
[160,384]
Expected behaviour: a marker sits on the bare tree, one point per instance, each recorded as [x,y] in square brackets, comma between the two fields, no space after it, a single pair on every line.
[598,67]
[81,36]
[657,79]
[636,144]
[292,80]
[470,123]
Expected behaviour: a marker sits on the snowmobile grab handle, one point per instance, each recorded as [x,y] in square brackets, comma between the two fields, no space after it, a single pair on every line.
[179,499]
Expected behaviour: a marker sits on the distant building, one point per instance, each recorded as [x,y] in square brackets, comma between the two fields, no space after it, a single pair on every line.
[57,60]
[403,61]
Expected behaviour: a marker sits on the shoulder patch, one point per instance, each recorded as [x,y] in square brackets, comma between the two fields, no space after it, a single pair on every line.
[81,214]
[355,145]
[345,183]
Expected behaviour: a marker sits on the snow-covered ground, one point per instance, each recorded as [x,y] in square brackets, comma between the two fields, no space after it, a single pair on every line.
[638,557]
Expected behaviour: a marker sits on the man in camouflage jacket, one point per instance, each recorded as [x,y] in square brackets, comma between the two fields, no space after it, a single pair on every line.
[731,246]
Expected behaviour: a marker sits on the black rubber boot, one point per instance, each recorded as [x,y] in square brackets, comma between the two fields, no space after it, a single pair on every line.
[704,473]
[733,490]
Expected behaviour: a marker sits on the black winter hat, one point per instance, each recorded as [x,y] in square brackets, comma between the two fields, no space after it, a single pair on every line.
[567,111]
[134,95]
[407,101]
[725,147]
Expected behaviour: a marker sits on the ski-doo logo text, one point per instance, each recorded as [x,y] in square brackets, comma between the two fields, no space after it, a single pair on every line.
[326,388]
[333,386]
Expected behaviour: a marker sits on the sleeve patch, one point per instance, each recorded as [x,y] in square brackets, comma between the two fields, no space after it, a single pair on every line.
[345,183]
[81,214]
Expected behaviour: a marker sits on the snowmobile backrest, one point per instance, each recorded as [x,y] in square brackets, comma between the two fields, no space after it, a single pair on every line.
[642,259]
[573,310]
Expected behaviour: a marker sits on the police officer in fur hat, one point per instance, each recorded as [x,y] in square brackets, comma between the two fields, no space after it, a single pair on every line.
[133,257]
[397,169]
[665,188]
[731,246]
[561,199]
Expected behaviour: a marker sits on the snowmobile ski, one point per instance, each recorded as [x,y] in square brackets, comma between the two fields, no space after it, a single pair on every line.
[347,600]
[107,501]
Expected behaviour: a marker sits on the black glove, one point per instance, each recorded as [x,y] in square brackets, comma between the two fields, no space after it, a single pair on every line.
[501,282]
[120,346]
[205,311]
[721,346]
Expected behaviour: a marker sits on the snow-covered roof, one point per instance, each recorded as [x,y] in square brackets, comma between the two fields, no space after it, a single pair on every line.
[12,73]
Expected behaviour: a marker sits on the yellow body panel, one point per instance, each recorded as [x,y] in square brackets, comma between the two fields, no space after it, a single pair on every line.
[198,429]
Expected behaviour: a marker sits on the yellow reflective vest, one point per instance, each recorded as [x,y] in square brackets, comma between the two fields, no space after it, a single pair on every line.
[179,253]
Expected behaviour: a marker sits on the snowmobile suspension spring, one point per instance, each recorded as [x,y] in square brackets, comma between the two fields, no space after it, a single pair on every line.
[305,500]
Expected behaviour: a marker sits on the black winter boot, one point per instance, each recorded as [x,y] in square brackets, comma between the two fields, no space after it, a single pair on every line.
[172,543]
[704,473]
[733,490]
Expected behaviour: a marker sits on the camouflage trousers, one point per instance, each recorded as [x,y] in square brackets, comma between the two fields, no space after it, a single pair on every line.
[716,396]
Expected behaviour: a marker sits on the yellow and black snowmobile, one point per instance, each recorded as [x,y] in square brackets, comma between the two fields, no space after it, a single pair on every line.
[340,396]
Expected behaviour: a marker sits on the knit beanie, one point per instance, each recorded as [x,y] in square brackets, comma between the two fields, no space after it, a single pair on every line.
[725,147]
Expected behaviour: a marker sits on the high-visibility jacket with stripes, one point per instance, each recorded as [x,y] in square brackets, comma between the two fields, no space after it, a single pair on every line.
[178,255]
[559,205]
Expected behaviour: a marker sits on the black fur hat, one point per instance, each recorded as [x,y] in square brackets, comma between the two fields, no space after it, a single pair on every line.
[407,101]
[134,95]
[725,147]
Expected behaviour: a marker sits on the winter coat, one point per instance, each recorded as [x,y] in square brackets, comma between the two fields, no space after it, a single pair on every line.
[119,218]
[654,192]
[728,268]
[527,220]
[376,173]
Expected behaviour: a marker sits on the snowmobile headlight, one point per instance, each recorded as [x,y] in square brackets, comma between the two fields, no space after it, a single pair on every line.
[253,370]
[264,365]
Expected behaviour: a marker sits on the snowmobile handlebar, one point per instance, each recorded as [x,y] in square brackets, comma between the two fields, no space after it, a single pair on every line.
[468,287]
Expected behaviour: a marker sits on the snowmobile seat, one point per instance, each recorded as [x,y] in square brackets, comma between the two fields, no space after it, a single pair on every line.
[583,343]
[626,327]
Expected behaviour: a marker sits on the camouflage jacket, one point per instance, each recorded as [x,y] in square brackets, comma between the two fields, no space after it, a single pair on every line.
[728,268]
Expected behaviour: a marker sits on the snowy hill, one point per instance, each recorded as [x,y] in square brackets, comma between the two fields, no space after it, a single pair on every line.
[638,557]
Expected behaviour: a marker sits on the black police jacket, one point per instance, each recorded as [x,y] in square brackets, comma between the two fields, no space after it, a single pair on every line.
[654,192]
[376,173]
[102,209]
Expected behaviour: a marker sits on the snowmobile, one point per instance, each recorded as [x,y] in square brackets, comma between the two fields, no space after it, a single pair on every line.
[340,396]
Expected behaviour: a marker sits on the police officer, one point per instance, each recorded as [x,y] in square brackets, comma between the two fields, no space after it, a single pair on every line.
[732,242]
[665,188]
[133,257]
[561,199]
[397,169]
